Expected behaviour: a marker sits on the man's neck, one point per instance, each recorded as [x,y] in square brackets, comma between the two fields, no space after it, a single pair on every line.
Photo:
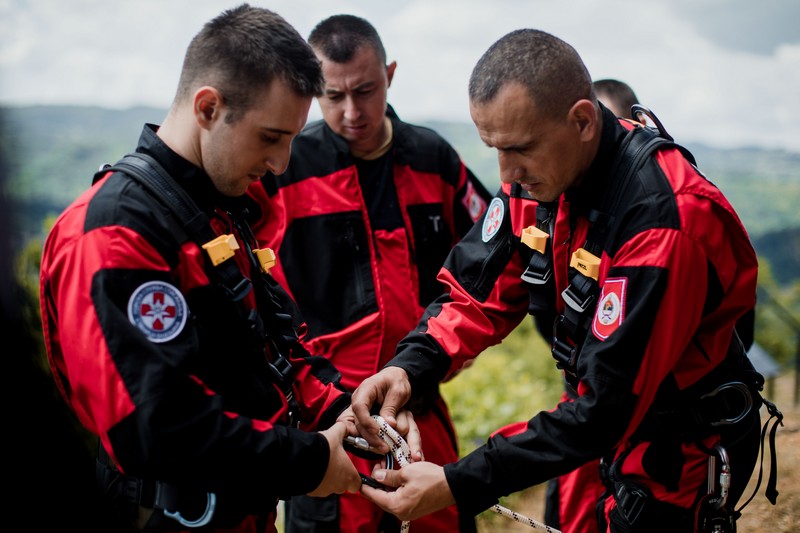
[384,146]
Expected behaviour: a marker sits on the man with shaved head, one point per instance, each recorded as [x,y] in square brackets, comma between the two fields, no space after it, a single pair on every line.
[604,229]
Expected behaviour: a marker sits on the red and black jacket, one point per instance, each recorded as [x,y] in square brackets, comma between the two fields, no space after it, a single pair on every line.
[677,272]
[158,362]
[361,258]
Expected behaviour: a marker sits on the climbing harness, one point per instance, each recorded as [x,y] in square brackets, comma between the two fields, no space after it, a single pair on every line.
[190,223]
[580,296]
[735,385]
[401,453]
[273,326]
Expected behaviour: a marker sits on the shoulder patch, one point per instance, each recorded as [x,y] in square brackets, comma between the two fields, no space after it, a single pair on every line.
[493,219]
[473,202]
[159,310]
[611,308]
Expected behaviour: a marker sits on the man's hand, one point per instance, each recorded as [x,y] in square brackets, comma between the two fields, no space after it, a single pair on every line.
[391,389]
[421,488]
[340,476]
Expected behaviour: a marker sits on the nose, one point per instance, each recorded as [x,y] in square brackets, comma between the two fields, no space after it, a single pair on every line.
[277,161]
[510,169]
[351,111]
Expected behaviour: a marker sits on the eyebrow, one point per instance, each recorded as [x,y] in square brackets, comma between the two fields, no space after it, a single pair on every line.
[512,147]
[363,86]
[276,130]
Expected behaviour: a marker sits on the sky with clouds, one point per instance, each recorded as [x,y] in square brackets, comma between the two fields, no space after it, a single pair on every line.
[722,72]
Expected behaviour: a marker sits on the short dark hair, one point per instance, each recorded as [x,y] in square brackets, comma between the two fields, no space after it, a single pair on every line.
[550,69]
[618,92]
[340,36]
[241,51]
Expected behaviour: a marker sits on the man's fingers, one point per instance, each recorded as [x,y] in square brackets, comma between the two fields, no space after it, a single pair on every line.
[386,497]
[361,403]
[388,478]
[339,429]
[407,427]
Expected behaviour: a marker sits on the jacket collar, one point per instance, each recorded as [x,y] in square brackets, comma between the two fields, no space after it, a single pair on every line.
[598,178]
[190,177]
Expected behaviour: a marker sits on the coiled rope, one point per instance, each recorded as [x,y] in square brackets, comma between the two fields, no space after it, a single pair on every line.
[401,453]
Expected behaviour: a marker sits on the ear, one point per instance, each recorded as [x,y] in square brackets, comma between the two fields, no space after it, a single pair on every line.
[586,118]
[390,72]
[208,106]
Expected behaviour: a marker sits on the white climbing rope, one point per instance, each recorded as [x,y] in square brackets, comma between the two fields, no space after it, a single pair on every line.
[402,454]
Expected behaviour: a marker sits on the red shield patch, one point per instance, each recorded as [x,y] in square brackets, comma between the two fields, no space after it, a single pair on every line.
[611,308]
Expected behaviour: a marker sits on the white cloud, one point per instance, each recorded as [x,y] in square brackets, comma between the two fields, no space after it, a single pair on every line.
[676,55]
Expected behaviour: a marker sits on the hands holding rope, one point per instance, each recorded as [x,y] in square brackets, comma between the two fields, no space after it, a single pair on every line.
[341,476]
[421,487]
[418,487]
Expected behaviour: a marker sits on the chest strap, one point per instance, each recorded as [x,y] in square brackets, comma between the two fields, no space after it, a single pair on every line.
[580,296]
[540,266]
[190,223]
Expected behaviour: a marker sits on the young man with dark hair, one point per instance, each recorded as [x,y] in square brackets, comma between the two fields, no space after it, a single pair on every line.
[166,335]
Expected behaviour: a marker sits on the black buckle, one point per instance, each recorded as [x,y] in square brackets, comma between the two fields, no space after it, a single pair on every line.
[238,291]
[580,293]
[539,270]
[281,368]
[631,500]
[564,352]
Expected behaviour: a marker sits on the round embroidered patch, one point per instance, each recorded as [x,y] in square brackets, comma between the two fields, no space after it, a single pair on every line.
[493,219]
[158,309]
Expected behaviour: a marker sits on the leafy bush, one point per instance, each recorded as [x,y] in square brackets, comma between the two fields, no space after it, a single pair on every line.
[507,383]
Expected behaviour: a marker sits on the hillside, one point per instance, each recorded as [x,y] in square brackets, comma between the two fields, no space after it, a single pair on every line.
[55,150]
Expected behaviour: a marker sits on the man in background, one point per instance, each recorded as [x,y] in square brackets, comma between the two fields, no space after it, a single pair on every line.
[361,223]
[616,95]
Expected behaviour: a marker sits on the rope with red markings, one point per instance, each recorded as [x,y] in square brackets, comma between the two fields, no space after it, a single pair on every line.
[402,454]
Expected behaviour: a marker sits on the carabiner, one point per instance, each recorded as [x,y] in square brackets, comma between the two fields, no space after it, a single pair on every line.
[205,518]
[724,477]
[748,401]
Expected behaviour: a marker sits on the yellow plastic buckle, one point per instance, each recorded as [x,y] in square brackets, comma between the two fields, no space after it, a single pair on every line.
[534,238]
[266,258]
[586,263]
[221,248]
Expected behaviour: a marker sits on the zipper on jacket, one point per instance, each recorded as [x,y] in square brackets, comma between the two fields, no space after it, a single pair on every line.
[351,235]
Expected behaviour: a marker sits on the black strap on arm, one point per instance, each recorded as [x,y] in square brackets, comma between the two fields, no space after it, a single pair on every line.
[187,216]
[581,294]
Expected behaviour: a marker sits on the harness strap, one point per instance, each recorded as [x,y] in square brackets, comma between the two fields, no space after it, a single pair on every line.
[771,491]
[540,266]
[182,211]
[580,296]
[723,397]
[191,223]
